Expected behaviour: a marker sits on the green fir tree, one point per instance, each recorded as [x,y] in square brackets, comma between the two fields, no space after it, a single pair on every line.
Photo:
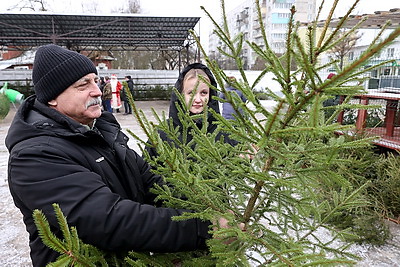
[280,181]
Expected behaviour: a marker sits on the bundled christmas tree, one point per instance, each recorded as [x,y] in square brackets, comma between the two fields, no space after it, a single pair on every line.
[281,180]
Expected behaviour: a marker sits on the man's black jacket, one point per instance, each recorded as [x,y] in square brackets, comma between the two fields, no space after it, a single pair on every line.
[101,185]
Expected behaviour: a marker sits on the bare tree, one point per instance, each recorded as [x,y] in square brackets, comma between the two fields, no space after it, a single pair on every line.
[259,64]
[33,5]
[139,59]
[132,7]
[342,49]
[91,7]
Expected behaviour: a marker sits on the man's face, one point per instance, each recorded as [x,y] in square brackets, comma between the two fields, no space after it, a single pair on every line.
[81,101]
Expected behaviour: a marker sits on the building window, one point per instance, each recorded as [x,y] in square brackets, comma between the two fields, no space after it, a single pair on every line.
[283,5]
[351,55]
[390,52]
[386,72]
[279,36]
[283,15]
[21,68]
[279,26]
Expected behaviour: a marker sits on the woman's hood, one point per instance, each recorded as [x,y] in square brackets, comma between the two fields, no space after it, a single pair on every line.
[212,103]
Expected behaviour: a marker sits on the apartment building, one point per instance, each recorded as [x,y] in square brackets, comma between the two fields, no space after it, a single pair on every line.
[275,16]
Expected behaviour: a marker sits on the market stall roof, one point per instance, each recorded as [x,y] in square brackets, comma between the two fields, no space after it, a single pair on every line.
[102,32]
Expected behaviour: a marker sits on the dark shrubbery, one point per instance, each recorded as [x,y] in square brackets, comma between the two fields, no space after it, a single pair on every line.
[142,92]
[382,173]
[152,92]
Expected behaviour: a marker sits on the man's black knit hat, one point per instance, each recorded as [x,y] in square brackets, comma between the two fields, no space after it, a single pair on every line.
[55,69]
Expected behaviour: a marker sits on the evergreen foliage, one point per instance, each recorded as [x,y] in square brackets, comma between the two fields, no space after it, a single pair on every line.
[366,222]
[387,184]
[290,190]
[4,106]
[282,180]
[73,251]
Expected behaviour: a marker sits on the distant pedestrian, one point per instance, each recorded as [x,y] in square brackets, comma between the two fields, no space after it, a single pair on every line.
[116,87]
[101,84]
[334,100]
[107,95]
[228,111]
[125,98]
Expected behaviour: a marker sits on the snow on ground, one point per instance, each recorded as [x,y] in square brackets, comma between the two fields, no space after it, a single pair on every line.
[14,249]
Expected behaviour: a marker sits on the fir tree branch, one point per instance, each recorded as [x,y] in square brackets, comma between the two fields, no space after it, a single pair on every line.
[49,239]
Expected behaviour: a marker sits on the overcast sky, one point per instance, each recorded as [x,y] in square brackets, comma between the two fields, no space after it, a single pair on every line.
[192,8]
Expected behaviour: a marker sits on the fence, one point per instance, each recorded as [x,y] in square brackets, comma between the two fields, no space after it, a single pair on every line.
[149,84]
[382,122]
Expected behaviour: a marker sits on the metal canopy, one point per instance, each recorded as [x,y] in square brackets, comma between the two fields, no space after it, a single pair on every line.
[104,32]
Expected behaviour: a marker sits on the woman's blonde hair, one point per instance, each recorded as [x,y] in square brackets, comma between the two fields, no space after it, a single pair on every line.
[194,73]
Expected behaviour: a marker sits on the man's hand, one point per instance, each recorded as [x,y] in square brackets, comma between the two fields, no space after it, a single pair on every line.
[224,223]
[250,153]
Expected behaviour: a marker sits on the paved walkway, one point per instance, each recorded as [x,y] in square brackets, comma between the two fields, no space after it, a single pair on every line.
[130,122]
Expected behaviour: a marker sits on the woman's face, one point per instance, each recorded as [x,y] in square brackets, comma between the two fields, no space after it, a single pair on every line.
[196,94]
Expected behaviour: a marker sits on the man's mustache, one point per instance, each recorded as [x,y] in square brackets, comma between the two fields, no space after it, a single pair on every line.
[93,101]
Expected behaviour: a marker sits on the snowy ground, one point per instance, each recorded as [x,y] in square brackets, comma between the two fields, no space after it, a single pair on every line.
[14,250]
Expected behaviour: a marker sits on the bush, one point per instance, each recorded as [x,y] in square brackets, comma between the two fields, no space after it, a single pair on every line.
[386,184]
[4,106]
[383,194]
[374,117]
[142,92]
[149,92]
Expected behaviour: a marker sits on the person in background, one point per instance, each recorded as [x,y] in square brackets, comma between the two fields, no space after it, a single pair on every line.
[116,87]
[331,101]
[107,95]
[129,86]
[65,150]
[334,100]
[227,110]
[197,95]
[101,83]
[330,75]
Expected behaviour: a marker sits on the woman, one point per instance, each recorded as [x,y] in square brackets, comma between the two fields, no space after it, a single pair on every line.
[197,96]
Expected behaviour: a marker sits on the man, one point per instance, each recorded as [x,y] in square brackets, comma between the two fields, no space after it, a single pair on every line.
[127,105]
[107,95]
[64,150]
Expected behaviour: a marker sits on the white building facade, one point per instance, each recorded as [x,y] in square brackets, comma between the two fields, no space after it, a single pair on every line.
[275,16]
[386,74]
